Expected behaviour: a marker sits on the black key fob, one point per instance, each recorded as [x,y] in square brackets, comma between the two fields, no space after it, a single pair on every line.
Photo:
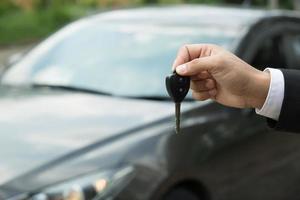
[177,86]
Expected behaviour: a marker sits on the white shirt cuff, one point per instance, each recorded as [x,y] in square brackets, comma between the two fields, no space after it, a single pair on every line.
[273,102]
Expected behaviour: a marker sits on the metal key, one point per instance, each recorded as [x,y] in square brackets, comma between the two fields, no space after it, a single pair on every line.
[177,87]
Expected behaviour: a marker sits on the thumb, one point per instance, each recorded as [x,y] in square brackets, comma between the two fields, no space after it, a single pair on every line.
[196,66]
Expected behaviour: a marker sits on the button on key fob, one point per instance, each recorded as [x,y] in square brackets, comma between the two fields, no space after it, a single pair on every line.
[177,87]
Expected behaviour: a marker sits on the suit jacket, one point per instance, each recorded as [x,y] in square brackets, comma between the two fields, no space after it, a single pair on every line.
[289,118]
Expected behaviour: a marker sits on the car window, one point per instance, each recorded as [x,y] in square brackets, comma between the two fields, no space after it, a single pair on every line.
[122,59]
[270,53]
[296,45]
[292,46]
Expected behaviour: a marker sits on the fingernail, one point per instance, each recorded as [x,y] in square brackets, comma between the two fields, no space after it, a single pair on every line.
[181,69]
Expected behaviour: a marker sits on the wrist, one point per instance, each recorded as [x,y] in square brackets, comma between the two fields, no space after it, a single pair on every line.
[260,88]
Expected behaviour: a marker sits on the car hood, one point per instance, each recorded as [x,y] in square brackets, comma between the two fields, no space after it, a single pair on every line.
[40,125]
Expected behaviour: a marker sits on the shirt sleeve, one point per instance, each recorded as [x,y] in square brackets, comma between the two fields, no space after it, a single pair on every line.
[273,103]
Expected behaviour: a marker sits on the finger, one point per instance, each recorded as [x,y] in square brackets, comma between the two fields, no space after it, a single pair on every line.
[179,61]
[182,57]
[201,76]
[210,83]
[201,96]
[213,93]
[203,85]
[204,75]
[192,51]
[197,66]
[198,86]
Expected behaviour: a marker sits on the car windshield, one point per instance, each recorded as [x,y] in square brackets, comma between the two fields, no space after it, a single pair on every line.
[122,59]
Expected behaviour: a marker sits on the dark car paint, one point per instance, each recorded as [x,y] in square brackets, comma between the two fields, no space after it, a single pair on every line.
[212,151]
[264,28]
[215,132]
[132,147]
[70,120]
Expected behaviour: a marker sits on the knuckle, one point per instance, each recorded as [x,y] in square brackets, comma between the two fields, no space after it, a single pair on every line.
[183,48]
[219,61]
[210,83]
[186,45]
[199,96]
[194,62]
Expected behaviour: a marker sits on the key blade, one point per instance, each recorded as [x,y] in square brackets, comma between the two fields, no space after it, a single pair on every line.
[177,118]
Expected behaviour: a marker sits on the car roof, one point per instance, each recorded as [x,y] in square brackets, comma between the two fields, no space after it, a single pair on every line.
[234,17]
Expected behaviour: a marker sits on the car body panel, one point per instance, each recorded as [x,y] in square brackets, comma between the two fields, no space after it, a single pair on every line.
[154,146]
[43,125]
[134,146]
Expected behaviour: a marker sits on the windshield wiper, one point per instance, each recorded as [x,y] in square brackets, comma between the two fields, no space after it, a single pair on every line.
[77,89]
[155,98]
[70,88]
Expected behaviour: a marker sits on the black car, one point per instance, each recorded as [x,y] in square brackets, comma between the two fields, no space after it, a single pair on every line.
[85,114]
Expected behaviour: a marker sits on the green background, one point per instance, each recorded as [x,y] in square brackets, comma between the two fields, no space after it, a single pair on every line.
[25,21]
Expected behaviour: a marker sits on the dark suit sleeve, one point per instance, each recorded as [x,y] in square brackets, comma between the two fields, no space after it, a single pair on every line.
[289,118]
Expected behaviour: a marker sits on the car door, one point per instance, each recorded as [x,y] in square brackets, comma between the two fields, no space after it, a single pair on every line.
[273,157]
[265,164]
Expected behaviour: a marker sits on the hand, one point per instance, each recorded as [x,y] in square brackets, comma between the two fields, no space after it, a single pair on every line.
[218,74]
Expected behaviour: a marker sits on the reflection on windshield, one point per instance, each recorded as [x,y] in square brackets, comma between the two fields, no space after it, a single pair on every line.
[122,59]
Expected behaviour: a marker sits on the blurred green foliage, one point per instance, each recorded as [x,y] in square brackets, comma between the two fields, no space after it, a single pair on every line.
[30,25]
[35,19]
[6,6]
[28,20]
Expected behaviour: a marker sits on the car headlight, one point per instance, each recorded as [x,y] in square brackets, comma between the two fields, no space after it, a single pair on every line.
[92,187]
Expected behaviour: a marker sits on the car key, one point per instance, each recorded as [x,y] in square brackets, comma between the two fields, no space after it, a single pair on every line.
[177,87]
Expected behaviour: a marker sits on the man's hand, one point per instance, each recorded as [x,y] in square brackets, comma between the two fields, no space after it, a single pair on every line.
[218,74]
